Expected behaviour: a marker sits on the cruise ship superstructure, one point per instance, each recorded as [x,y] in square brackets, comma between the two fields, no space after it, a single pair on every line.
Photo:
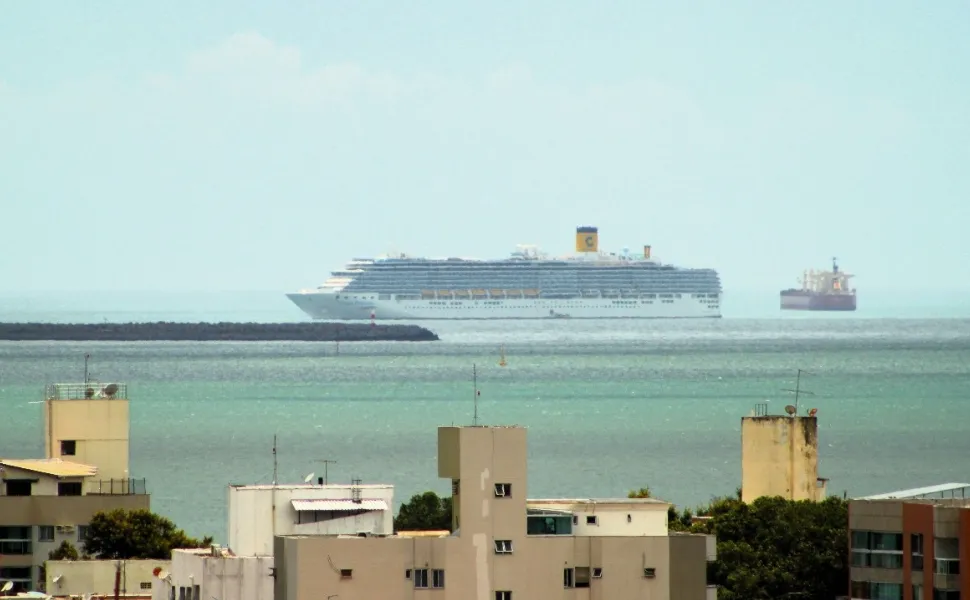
[527,285]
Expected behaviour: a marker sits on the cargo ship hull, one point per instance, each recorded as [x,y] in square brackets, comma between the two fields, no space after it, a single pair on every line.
[800,300]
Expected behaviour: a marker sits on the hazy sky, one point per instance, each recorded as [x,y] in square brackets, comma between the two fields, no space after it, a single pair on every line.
[230,145]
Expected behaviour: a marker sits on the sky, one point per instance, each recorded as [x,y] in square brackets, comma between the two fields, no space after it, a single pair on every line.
[235,145]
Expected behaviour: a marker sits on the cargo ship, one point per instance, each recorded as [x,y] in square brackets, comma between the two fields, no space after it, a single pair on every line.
[821,290]
[527,285]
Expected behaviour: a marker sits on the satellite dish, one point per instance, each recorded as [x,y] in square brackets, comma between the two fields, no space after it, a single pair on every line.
[156,571]
[111,389]
[162,574]
[56,578]
[790,409]
[7,587]
[308,478]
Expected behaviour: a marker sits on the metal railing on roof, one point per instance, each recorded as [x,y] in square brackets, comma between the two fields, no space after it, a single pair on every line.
[86,391]
[118,487]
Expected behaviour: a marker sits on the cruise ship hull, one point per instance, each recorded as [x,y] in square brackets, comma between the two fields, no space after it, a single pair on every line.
[820,302]
[344,306]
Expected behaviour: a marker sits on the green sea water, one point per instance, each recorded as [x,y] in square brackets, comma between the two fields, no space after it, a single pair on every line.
[610,405]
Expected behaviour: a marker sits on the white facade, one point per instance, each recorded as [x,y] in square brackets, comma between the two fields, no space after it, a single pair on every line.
[305,510]
[615,517]
[216,574]
[349,306]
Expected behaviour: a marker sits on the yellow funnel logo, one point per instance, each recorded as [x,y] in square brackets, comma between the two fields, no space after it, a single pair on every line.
[587,239]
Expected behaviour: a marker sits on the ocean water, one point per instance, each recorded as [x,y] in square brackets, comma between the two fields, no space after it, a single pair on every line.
[610,405]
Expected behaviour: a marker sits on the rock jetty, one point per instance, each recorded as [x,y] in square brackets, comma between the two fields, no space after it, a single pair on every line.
[214,332]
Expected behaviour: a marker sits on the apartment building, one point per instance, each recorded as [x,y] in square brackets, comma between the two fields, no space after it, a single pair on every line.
[911,544]
[503,546]
[45,501]
[257,513]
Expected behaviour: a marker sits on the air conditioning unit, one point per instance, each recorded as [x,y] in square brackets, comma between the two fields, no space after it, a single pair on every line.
[64,528]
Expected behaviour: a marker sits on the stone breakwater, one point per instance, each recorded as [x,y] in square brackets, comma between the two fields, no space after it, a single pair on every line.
[214,332]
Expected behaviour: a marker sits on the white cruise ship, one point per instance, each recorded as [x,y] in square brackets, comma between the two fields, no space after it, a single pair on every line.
[527,285]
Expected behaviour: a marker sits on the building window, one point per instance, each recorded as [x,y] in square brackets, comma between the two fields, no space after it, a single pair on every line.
[18,576]
[196,592]
[503,546]
[575,519]
[503,595]
[346,573]
[438,578]
[16,540]
[69,488]
[503,490]
[649,572]
[916,550]
[145,585]
[68,448]
[947,566]
[582,577]
[877,549]
[420,578]
[567,578]
[45,533]
[917,592]
[407,573]
[939,594]
[19,487]
[82,533]
[597,572]
[591,519]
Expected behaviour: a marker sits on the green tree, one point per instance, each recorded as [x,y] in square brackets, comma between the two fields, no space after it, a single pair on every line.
[643,492]
[424,512]
[775,548]
[66,551]
[125,534]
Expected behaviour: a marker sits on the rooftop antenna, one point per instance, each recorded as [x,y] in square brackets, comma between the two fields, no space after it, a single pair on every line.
[326,464]
[273,491]
[475,389]
[87,357]
[275,462]
[355,496]
[798,390]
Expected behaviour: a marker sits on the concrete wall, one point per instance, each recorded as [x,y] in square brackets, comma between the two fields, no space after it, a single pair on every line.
[100,428]
[251,508]
[220,577]
[311,567]
[98,576]
[779,457]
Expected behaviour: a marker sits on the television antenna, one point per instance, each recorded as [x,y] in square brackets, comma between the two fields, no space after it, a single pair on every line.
[87,357]
[476,392]
[326,465]
[798,389]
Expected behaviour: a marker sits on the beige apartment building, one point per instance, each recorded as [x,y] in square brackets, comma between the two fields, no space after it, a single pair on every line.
[503,546]
[779,456]
[45,501]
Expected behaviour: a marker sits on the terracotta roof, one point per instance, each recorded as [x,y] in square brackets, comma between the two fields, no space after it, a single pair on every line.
[54,467]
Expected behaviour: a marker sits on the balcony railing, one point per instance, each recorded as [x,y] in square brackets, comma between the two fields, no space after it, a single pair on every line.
[118,487]
[85,391]
[947,566]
